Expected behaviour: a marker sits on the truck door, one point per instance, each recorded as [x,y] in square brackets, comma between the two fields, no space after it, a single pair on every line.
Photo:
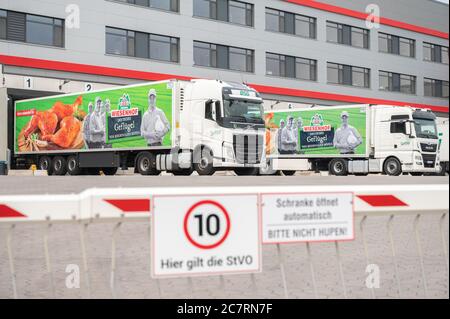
[402,144]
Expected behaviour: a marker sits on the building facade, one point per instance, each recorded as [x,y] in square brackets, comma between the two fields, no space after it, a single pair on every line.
[295,52]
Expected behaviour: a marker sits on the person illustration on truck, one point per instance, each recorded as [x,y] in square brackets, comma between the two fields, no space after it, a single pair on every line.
[289,138]
[86,126]
[96,125]
[279,131]
[154,122]
[347,138]
[106,109]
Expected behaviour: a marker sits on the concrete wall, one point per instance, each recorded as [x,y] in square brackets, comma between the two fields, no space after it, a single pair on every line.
[3,124]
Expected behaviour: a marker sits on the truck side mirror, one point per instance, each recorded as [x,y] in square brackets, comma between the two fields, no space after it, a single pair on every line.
[209,110]
[408,129]
[218,108]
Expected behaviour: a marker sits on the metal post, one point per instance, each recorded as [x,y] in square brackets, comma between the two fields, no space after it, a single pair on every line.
[394,255]
[113,259]
[83,230]
[341,269]
[47,259]
[443,238]
[366,250]
[11,261]
[158,282]
[283,273]
[420,252]
[311,266]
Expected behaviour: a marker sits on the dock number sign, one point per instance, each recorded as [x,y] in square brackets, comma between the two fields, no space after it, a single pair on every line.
[205,235]
[291,218]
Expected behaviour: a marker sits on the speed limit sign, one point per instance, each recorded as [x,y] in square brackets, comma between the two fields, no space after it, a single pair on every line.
[205,235]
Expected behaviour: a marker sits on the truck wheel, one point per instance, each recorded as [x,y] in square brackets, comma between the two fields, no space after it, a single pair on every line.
[73,167]
[338,167]
[392,167]
[146,164]
[289,173]
[110,171]
[59,166]
[45,164]
[204,167]
[246,171]
[441,169]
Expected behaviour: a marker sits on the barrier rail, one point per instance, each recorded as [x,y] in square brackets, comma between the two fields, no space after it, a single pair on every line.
[123,206]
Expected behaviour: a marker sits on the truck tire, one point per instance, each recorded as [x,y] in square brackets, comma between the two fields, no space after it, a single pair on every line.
[205,165]
[246,171]
[289,173]
[73,167]
[45,164]
[110,171]
[59,166]
[442,169]
[392,167]
[338,167]
[146,164]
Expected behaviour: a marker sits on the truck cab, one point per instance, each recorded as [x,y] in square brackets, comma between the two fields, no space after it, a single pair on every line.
[220,125]
[405,140]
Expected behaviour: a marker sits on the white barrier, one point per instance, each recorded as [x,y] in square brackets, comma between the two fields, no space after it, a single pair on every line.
[136,204]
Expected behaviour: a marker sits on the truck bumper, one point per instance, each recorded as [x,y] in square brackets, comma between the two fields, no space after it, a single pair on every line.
[417,168]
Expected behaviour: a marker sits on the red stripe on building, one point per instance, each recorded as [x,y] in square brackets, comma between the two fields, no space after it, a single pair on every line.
[131,205]
[363,16]
[382,200]
[151,76]
[8,212]
[341,97]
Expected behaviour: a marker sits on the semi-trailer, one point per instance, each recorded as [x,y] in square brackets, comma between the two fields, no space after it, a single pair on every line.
[175,126]
[352,139]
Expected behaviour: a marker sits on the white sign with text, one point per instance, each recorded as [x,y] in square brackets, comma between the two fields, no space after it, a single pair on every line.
[205,235]
[307,217]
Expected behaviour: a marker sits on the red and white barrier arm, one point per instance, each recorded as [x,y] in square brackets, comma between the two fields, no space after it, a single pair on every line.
[39,208]
[136,203]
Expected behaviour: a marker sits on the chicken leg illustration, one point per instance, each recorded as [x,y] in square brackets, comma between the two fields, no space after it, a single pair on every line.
[69,129]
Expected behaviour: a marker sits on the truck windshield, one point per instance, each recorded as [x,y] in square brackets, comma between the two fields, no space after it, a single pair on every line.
[242,111]
[426,128]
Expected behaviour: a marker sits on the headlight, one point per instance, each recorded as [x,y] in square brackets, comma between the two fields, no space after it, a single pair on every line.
[228,150]
[418,158]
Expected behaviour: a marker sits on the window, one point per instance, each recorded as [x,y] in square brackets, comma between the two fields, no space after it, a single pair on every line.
[223,57]
[348,35]
[2,24]
[435,53]
[436,88]
[348,75]
[396,45]
[232,11]
[141,45]
[168,5]
[286,22]
[22,27]
[291,67]
[45,31]
[398,127]
[395,82]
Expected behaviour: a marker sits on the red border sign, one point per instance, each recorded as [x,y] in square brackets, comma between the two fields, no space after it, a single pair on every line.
[224,237]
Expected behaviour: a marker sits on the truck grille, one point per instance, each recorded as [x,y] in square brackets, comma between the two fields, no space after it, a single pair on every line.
[248,148]
[429,160]
[432,148]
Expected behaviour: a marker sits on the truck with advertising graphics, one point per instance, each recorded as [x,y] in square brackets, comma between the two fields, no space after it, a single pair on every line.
[443,147]
[174,126]
[354,139]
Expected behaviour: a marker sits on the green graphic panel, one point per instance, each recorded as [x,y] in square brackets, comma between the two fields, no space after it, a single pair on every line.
[66,122]
[334,131]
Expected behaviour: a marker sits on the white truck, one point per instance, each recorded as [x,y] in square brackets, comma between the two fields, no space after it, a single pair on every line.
[353,139]
[443,147]
[174,126]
